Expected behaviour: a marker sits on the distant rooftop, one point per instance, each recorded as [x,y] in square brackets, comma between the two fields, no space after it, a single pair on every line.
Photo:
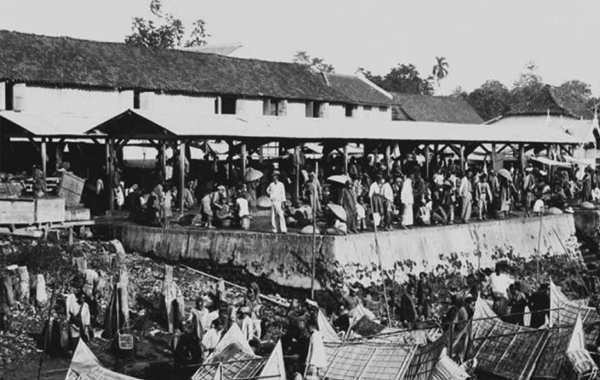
[554,101]
[441,109]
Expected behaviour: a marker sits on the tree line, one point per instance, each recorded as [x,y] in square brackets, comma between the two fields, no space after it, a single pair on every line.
[490,100]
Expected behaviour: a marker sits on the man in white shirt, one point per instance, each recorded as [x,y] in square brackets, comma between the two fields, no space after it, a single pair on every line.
[388,201]
[499,283]
[276,192]
[212,336]
[465,194]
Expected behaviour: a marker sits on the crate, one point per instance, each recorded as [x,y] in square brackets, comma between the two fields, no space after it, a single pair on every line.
[17,211]
[49,210]
[71,188]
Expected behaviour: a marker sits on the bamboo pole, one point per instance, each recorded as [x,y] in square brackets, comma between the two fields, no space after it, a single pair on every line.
[181,174]
[385,297]
[266,298]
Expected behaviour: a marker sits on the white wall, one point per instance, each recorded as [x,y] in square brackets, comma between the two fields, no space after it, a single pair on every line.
[55,100]
[2,96]
[337,111]
[296,109]
[183,104]
[249,107]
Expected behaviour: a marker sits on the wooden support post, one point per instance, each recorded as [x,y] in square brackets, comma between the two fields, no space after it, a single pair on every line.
[111,174]
[522,157]
[494,156]
[182,174]
[388,158]
[297,181]
[462,157]
[244,156]
[43,156]
[106,156]
[427,161]
[163,160]
[58,155]
[346,159]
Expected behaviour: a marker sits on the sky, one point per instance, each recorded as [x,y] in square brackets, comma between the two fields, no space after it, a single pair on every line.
[480,40]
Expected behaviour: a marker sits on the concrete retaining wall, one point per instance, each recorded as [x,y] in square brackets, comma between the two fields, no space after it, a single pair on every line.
[285,259]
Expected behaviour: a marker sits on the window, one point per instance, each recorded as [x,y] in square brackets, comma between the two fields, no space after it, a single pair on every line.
[228,105]
[274,107]
[367,108]
[314,109]
[350,110]
[383,109]
[9,93]
[136,99]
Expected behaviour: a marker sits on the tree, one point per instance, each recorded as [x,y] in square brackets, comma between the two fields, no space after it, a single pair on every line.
[406,79]
[440,69]
[314,63]
[165,30]
[527,86]
[490,100]
[577,89]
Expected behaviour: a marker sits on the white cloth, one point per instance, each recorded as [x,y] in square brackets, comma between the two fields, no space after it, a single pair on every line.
[248,328]
[242,206]
[499,283]
[374,189]
[360,211]
[406,195]
[277,218]
[276,192]
[317,351]
[210,339]
[387,192]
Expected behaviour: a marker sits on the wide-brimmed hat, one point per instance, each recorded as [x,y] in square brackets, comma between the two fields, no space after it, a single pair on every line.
[276,173]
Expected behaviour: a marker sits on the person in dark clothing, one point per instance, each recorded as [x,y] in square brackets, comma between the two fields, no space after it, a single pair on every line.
[408,306]
[348,202]
[424,293]
[517,303]
[539,303]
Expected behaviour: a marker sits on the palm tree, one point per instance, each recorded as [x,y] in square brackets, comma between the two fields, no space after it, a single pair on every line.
[440,69]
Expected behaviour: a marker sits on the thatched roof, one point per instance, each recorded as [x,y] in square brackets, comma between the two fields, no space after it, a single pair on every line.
[235,363]
[61,61]
[504,349]
[425,359]
[367,361]
[565,312]
[358,89]
[554,101]
[441,109]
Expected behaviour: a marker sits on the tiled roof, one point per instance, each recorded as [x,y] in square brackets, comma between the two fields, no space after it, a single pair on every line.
[367,361]
[441,109]
[357,89]
[554,101]
[65,61]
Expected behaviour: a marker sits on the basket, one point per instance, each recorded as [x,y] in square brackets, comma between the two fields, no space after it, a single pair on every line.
[71,188]
[124,338]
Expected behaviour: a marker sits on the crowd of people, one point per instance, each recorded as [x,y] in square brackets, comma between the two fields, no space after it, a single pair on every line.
[370,193]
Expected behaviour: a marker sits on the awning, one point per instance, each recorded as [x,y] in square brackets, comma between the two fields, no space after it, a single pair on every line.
[146,124]
[24,124]
[546,161]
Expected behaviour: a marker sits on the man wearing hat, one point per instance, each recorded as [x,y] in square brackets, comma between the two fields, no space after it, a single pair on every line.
[276,192]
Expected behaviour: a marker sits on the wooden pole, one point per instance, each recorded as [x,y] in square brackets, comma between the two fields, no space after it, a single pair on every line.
[522,157]
[181,174]
[163,160]
[378,251]
[494,155]
[106,156]
[427,161]
[297,162]
[462,157]
[346,159]
[244,158]
[388,158]
[43,156]
[111,174]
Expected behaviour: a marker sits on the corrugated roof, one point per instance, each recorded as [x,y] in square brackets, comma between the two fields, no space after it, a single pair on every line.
[367,361]
[357,89]
[315,129]
[554,101]
[65,61]
[443,109]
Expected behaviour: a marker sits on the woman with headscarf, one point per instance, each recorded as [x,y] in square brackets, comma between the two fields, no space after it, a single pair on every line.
[253,302]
